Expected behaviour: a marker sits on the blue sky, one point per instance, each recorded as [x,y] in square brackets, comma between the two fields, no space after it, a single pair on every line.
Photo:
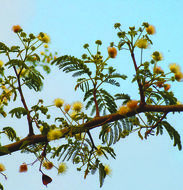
[140,165]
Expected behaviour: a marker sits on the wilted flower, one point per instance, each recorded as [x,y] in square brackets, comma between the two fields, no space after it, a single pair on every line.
[158,70]
[132,104]
[67,107]
[16,28]
[48,165]
[123,110]
[150,30]
[112,52]
[142,43]
[46,179]
[167,87]
[2,168]
[23,168]
[62,168]
[58,102]
[54,134]
[160,84]
[77,106]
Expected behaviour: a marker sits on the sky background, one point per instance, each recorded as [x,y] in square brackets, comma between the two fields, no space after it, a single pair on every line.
[140,165]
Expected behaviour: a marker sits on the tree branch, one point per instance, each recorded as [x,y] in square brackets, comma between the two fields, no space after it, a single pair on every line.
[96,122]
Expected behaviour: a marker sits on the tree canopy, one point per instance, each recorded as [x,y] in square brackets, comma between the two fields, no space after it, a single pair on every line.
[116,116]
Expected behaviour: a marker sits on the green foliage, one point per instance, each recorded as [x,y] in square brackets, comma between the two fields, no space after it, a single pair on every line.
[1,187]
[72,64]
[34,79]
[174,135]
[10,132]
[18,112]
[102,174]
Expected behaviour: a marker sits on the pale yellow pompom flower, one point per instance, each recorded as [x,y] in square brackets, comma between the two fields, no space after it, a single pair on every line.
[157,56]
[62,168]
[123,110]
[77,106]
[42,53]
[150,30]
[44,38]
[58,102]
[54,134]
[67,108]
[46,46]
[174,68]
[1,63]
[142,43]
[2,168]
[132,104]
[107,170]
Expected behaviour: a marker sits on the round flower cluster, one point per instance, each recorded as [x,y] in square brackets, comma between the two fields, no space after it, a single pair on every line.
[174,68]
[150,30]
[62,168]
[44,37]
[54,134]
[142,43]
[130,106]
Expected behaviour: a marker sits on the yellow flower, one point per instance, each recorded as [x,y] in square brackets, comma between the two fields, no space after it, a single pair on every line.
[150,30]
[77,106]
[107,170]
[58,102]
[178,76]
[44,38]
[2,168]
[157,56]
[41,129]
[174,68]
[132,104]
[16,28]
[142,43]
[62,168]
[178,103]
[1,63]
[42,53]
[99,151]
[23,72]
[123,110]
[48,165]
[54,134]
[73,115]
[67,108]
[46,46]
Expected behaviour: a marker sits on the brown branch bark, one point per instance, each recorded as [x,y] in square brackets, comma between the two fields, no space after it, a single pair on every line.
[96,122]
